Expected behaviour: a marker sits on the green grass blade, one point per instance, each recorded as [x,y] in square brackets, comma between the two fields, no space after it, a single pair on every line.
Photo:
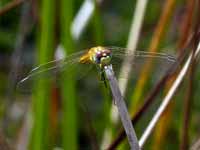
[40,132]
[69,117]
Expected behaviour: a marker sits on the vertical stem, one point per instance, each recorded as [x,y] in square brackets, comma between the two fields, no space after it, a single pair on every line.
[123,112]
[158,35]
[25,27]
[187,109]
[186,114]
[168,97]
[98,25]
[69,120]
[40,132]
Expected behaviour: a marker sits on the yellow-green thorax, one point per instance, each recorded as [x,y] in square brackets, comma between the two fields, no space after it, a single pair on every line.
[97,55]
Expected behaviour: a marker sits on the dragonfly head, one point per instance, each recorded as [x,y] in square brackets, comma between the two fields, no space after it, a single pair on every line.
[102,56]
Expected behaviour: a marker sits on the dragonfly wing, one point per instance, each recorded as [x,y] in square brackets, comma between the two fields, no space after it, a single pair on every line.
[123,52]
[139,59]
[50,70]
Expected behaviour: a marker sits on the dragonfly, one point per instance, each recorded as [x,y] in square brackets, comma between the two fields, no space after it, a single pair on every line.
[99,57]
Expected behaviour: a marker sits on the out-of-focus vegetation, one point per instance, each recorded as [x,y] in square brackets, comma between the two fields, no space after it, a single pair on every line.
[73,109]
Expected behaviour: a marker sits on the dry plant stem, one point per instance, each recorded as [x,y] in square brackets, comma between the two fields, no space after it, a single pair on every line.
[167,98]
[22,140]
[26,24]
[10,6]
[187,109]
[122,109]
[186,24]
[132,42]
[184,28]
[138,16]
[82,18]
[157,37]
[196,145]
[24,29]
[162,24]
[151,96]
[188,101]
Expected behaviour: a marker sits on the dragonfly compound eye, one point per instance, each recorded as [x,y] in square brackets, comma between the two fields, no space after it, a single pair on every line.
[98,58]
[102,57]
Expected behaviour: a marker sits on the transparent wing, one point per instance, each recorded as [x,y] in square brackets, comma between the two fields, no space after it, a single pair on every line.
[160,61]
[157,65]
[123,52]
[52,68]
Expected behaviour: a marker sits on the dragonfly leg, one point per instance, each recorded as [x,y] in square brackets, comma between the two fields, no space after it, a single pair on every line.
[103,79]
